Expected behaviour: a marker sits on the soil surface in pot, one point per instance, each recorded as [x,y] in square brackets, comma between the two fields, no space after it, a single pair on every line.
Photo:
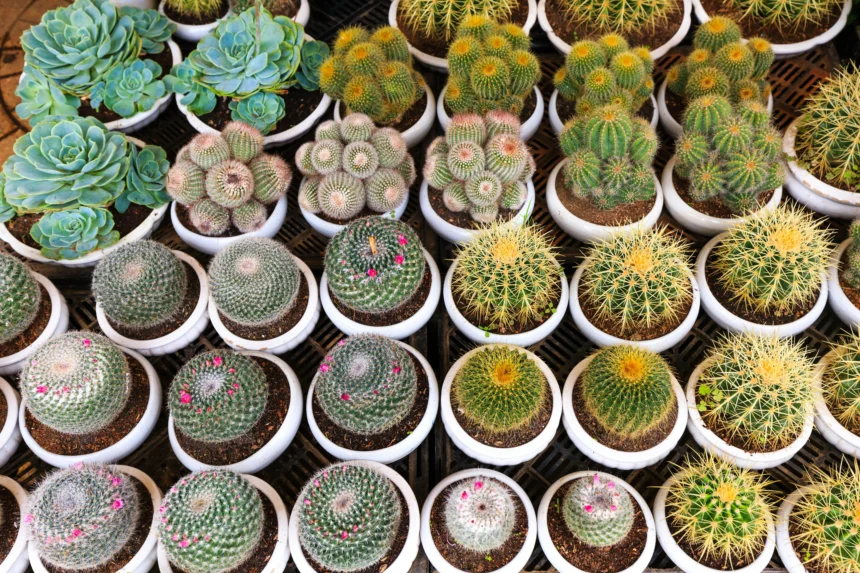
[298,105]
[185,219]
[409,118]
[388,318]
[532,324]
[476,561]
[529,105]
[192,20]
[277,328]
[29,336]
[81,444]
[613,326]
[11,513]
[711,561]
[462,219]
[802,549]
[585,209]
[233,451]
[788,35]
[651,36]
[567,109]
[714,207]
[801,162]
[851,292]
[365,212]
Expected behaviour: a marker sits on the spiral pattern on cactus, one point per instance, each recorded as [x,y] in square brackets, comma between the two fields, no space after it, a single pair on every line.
[480,513]
[20,297]
[598,511]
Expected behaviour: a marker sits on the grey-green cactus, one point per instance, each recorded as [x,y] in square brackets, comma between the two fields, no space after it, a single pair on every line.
[480,513]
[598,511]
[20,297]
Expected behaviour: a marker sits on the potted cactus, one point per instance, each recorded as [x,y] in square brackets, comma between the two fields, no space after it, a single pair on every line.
[10,434]
[353,169]
[594,522]
[333,527]
[14,557]
[636,289]
[835,397]
[233,410]
[501,404]
[843,278]
[766,274]
[712,516]
[478,173]
[262,296]
[298,10]
[607,185]
[194,19]
[373,398]
[151,299]
[379,279]
[506,286]
[478,520]
[225,188]
[217,521]
[33,312]
[623,408]
[93,517]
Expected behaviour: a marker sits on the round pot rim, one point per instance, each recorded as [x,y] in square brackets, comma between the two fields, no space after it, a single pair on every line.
[202,29]
[426,116]
[280,210]
[558,124]
[529,126]
[10,395]
[836,293]
[21,497]
[784,546]
[329,229]
[822,411]
[57,302]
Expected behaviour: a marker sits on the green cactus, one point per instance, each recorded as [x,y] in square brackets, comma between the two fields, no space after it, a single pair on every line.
[249,217]
[386,190]
[230,183]
[308,194]
[785,15]
[390,147]
[20,298]
[186,183]
[245,142]
[341,196]
[204,10]
[209,218]
[598,511]
[840,381]
[480,513]
[360,159]
[441,19]
[208,150]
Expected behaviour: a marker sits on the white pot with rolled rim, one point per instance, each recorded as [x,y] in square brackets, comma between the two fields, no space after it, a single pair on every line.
[329,229]
[555,557]
[192,32]
[833,431]
[492,454]
[415,133]
[145,558]
[122,448]
[58,323]
[519,561]
[610,457]
[18,558]
[272,449]
[558,124]
[784,547]
[174,341]
[839,302]
[527,130]
[10,434]
[395,451]
[403,562]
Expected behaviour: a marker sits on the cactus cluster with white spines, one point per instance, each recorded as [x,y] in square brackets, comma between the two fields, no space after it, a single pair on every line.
[480,513]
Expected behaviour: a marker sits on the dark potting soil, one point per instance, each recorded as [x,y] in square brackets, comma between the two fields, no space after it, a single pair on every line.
[399,314]
[467,559]
[365,212]
[710,561]
[409,118]
[641,332]
[531,324]
[80,444]
[676,105]
[298,105]
[851,292]
[529,105]
[610,559]
[461,219]
[10,512]
[26,338]
[567,109]
[233,451]
[752,27]
[194,20]
[622,214]
[277,328]
[715,207]
[125,223]
[182,213]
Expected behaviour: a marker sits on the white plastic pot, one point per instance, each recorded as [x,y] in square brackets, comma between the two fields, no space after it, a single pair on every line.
[192,32]
[272,449]
[787,555]
[124,447]
[686,563]
[288,340]
[527,130]
[491,454]
[211,245]
[397,331]
[280,556]
[58,323]
[10,434]
[586,231]
[415,133]
[839,302]
[833,431]
[460,235]
[519,561]
[607,456]
[17,560]
[144,559]
[403,562]
[329,229]
[558,124]
[556,558]
[396,451]
[733,323]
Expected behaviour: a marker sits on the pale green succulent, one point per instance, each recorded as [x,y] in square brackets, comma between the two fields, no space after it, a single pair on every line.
[41,98]
[6,210]
[262,110]
[130,88]
[153,28]
[73,233]
[182,80]
[313,56]
[146,179]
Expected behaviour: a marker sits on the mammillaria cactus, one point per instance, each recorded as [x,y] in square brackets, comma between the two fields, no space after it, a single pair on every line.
[349,515]
[20,297]
[840,381]
[480,513]
[80,517]
[211,521]
[623,18]
[441,19]
[597,511]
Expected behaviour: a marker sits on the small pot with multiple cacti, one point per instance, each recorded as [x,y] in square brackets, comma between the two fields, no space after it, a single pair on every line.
[194,19]
[14,557]
[837,397]
[843,278]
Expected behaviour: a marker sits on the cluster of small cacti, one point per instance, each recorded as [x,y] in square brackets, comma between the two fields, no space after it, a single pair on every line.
[840,381]
[480,513]
[353,165]
[20,297]
[598,511]
[480,165]
[786,15]
[621,17]
[442,18]
[227,181]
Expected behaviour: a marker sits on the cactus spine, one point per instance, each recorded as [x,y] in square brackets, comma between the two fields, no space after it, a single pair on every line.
[480,513]
[20,297]
[441,19]
[597,511]
[840,382]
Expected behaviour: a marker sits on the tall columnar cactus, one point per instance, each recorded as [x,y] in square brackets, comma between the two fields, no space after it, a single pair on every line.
[349,515]
[621,17]
[597,511]
[218,396]
[441,19]
[211,521]
[786,15]
[480,513]
[20,297]
[840,381]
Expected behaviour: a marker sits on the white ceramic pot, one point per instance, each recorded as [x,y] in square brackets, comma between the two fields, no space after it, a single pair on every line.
[211,245]
[839,302]
[174,341]
[396,451]
[556,558]
[833,431]
[607,456]
[686,563]
[586,231]
[304,14]
[270,451]
[491,454]
[144,559]
[288,340]
[58,323]
[10,434]
[397,331]
[403,562]
[713,444]
[416,133]
[17,560]
[124,447]
[558,124]
[789,558]
[519,561]
[278,560]
[191,32]
[328,229]
[460,235]
[602,339]
[529,126]
[734,323]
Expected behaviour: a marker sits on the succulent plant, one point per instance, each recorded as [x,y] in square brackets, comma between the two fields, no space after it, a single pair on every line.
[153,28]
[42,98]
[441,19]
[623,17]
[785,15]
[197,9]
[480,513]
[211,521]
[129,88]
[7,212]
[262,110]
[145,182]
[840,381]
[20,297]
[73,233]
[598,511]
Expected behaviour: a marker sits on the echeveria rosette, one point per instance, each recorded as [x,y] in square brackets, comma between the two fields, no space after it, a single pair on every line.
[314,53]
[146,179]
[183,80]
[41,98]
[153,28]
[71,234]
[130,88]
[6,210]
[262,110]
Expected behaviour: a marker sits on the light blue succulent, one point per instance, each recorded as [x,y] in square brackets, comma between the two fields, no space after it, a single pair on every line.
[153,28]
[314,53]
[40,97]
[6,210]
[146,179]
[262,110]
[71,234]
[130,88]
[183,80]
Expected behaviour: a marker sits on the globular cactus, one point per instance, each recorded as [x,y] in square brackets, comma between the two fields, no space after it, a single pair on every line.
[360,159]
[208,150]
[356,127]
[202,10]
[272,177]
[597,511]
[230,183]
[840,381]
[209,218]
[254,282]
[386,190]
[245,142]
[480,513]
[186,183]
[341,196]
[785,15]
[249,217]
[211,521]
[218,396]
[349,515]
[309,194]
[441,19]
[20,297]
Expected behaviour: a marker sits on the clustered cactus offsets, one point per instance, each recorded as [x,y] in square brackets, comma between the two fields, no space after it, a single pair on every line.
[226,181]
[620,17]
[480,165]
[597,511]
[20,298]
[442,18]
[349,515]
[840,381]
[480,513]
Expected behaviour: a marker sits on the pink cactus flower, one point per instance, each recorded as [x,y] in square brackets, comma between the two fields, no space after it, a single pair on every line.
[41,389]
[217,361]
[324,367]
[76,532]
[398,259]
[185,397]
[184,543]
[402,239]
[371,273]
[344,535]
[464,495]
[29,518]
[396,369]
[478,485]
[344,397]
[588,509]
[87,342]
[231,370]
[118,504]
